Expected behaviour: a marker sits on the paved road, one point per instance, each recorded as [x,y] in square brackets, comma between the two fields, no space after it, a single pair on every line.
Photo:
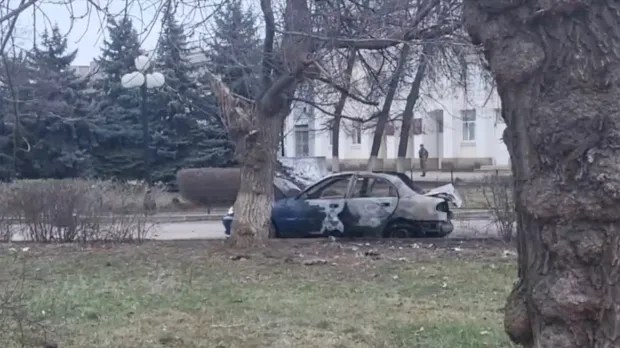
[215,230]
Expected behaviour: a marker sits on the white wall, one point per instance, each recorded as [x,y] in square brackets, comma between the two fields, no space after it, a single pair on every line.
[450,144]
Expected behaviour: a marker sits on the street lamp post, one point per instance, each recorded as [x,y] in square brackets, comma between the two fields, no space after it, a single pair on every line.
[143,80]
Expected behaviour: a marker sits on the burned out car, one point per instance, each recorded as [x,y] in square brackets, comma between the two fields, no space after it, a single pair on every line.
[366,204]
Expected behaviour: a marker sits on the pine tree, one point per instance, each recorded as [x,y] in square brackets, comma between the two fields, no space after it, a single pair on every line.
[52,116]
[234,50]
[117,113]
[183,135]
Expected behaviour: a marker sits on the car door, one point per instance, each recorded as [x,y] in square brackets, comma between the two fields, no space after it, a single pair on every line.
[316,210]
[372,202]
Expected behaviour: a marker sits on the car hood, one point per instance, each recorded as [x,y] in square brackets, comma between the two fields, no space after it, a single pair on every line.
[447,192]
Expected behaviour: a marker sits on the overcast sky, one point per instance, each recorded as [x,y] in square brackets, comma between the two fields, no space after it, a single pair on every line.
[87,34]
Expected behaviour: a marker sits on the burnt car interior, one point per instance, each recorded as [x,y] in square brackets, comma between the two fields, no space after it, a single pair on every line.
[366,187]
[331,189]
[407,180]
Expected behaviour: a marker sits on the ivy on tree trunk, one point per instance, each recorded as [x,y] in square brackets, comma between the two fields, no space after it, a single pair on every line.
[557,66]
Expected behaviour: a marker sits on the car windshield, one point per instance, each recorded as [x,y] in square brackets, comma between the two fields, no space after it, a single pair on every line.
[287,187]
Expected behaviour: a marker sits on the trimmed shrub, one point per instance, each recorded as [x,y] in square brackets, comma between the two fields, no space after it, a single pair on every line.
[211,187]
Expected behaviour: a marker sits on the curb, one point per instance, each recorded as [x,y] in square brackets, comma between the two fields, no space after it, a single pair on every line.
[458,215]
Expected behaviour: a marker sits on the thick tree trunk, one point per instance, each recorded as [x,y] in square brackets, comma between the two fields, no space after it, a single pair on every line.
[384,114]
[556,65]
[255,126]
[252,223]
[412,99]
[338,112]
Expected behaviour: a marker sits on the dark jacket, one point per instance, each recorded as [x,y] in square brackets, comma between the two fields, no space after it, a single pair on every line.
[423,153]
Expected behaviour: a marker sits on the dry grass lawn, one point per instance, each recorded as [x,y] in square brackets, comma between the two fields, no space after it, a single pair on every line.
[296,294]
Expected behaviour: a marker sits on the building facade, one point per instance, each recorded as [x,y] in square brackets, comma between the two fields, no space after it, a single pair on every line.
[461,128]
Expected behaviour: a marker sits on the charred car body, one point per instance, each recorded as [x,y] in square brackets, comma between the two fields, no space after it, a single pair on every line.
[365,204]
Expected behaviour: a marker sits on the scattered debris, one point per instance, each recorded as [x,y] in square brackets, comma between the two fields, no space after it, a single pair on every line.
[457,249]
[313,262]
[239,257]
[395,277]
[508,253]
[415,246]
[373,254]
[444,285]
[354,248]
[484,332]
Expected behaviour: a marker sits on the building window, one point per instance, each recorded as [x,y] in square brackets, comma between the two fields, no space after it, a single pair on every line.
[498,117]
[437,115]
[302,140]
[469,125]
[357,132]
[417,126]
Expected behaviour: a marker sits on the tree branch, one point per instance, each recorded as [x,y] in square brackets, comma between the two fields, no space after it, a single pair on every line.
[14,15]
[21,8]
[270,29]
[346,91]
[413,34]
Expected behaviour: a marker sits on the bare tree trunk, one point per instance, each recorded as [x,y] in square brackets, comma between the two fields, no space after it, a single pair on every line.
[384,114]
[255,126]
[401,163]
[338,111]
[556,69]
[252,222]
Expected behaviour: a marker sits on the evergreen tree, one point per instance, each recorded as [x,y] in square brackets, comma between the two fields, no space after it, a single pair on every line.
[234,50]
[116,113]
[14,75]
[51,120]
[183,137]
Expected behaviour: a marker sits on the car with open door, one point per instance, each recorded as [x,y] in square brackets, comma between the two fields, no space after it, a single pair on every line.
[364,204]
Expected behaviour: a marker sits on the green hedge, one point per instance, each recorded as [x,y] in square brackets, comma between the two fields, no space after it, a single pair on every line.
[211,187]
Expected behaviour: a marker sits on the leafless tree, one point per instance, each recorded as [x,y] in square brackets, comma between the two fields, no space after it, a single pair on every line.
[335,123]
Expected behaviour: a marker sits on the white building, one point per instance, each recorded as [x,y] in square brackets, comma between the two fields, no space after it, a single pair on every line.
[460,127]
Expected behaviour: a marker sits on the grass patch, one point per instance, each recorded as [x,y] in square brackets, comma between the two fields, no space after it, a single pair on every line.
[195,294]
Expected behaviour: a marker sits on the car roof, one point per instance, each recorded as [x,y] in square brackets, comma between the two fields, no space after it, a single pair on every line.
[394,177]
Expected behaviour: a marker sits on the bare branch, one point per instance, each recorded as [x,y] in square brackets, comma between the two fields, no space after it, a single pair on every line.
[270,29]
[17,11]
[346,91]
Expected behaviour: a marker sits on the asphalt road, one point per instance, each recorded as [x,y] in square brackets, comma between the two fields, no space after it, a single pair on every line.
[215,230]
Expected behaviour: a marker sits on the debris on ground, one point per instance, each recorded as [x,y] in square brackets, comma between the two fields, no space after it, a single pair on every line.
[509,253]
[313,262]
[373,254]
[239,257]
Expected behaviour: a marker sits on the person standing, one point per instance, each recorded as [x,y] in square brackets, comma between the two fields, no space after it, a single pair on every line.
[423,154]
